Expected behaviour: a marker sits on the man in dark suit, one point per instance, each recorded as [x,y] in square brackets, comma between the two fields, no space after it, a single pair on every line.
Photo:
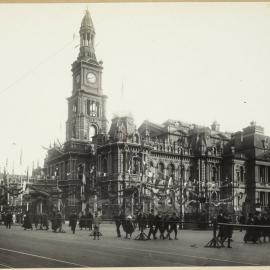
[73,221]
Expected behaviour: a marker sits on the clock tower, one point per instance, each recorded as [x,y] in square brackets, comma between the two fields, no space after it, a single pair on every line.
[87,105]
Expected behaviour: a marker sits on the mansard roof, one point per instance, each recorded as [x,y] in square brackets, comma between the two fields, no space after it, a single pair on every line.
[180,127]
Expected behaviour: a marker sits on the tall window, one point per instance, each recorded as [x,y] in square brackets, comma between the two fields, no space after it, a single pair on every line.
[242,174]
[171,170]
[161,170]
[92,132]
[104,166]
[92,108]
[237,176]
[73,131]
[136,165]
[262,198]
[214,174]
[74,107]
[262,174]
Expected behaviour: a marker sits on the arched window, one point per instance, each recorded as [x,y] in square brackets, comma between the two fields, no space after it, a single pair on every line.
[92,132]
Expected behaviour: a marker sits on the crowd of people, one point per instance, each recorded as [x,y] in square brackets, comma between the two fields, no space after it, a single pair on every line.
[153,226]
[163,223]
[258,232]
[86,221]
[8,218]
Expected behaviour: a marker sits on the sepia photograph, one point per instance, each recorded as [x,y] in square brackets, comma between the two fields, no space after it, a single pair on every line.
[134,134]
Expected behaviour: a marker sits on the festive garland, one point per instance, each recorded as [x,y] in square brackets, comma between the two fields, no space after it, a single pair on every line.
[13,191]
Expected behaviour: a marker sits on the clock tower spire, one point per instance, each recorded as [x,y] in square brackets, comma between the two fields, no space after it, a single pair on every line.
[87,104]
[87,38]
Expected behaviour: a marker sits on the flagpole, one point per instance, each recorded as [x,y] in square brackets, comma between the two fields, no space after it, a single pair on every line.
[27,203]
[8,196]
[21,193]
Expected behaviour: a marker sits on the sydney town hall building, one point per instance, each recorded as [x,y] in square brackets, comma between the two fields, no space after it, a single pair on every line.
[174,166]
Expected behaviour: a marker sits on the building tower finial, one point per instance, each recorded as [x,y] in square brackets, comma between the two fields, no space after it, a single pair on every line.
[87,38]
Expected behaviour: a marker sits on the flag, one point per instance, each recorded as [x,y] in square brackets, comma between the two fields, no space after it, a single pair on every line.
[24,185]
[83,179]
[170,182]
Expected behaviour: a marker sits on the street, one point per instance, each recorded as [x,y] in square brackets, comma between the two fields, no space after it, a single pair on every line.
[32,249]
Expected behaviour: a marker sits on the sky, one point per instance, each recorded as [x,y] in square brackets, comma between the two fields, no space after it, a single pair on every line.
[193,62]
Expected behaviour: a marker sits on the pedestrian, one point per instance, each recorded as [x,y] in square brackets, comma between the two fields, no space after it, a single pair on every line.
[249,230]
[220,219]
[268,229]
[45,222]
[59,221]
[242,220]
[118,222]
[159,226]
[227,232]
[173,220]
[40,217]
[73,221]
[53,221]
[257,231]
[82,221]
[139,221]
[8,220]
[151,224]
[166,226]
[4,218]
[144,221]
[128,227]
[263,222]
[27,222]
[89,221]
[96,223]
[36,221]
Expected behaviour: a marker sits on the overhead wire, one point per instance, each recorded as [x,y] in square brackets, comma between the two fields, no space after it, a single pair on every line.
[35,67]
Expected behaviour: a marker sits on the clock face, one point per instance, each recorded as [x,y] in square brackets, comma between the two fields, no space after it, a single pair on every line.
[78,78]
[91,77]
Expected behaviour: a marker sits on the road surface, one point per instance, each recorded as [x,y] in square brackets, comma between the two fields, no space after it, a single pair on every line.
[32,249]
